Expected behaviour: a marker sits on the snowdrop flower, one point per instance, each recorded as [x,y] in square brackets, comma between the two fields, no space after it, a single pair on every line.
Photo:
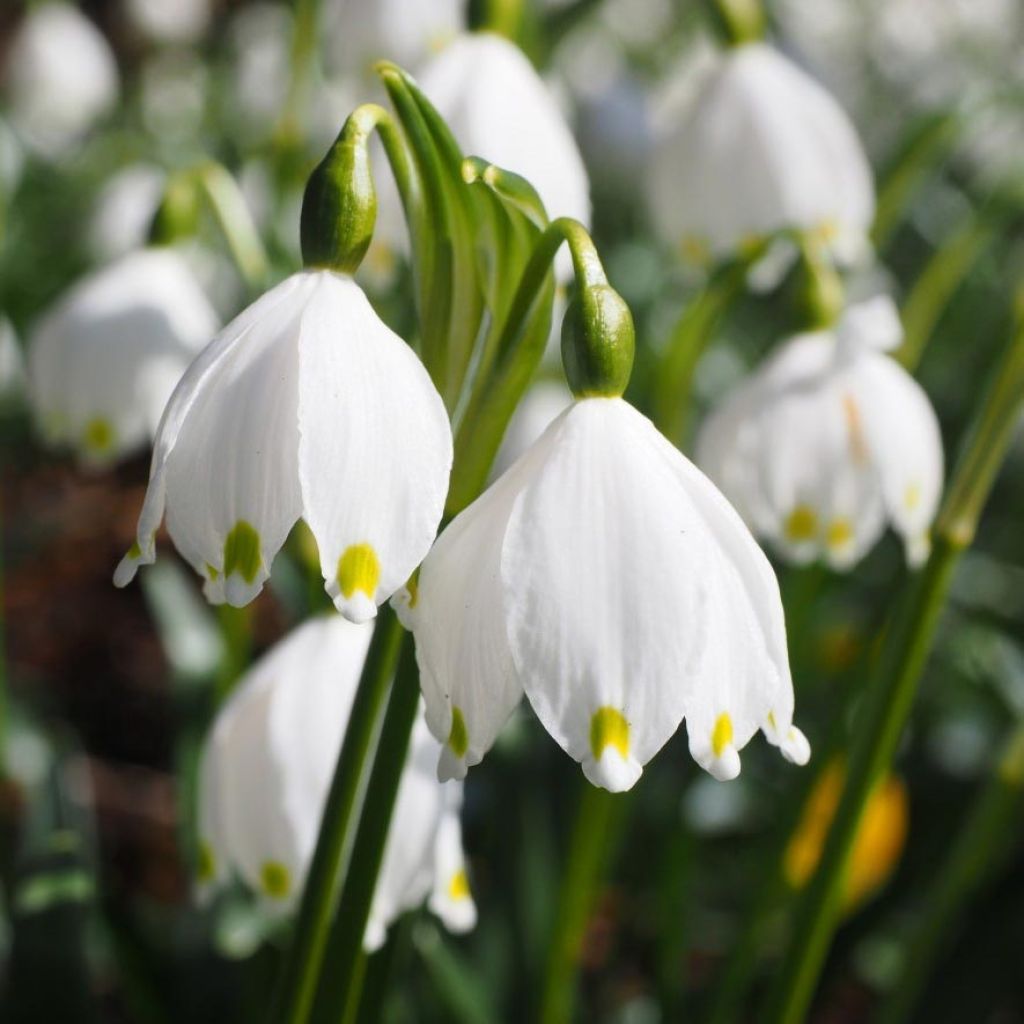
[124,210]
[61,78]
[499,108]
[305,406]
[103,361]
[762,149]
[829,439]
[608,579]
[184,21]
[266,769]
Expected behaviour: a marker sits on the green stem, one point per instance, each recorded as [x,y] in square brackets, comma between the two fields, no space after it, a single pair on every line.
[289,131]
[985,836]
[588,855]
[893,684]
[236,634]
[671,399]
[936,285]
[301,967]
[5,709]
[235,221]
[736,21]
[344,945]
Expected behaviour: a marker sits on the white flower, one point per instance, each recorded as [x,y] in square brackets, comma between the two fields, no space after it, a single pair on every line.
[828,440]
[499,109]
[124,210]
[606,577]
[763,148]
[61,78]
[183,21]
[305,405]
[267,767]
[103,361]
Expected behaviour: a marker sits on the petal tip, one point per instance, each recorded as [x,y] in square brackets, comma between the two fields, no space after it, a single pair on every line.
[612,771]
[450,766]
[795,746]
[725,766]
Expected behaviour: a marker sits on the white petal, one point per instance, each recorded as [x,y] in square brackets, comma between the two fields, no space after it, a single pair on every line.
[873,323]
[600,571]
[466,670]
[375,448]
[451,899]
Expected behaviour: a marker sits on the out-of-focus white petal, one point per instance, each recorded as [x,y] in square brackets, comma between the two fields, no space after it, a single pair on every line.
[124,211]
[61,78]
[452,899]
[762,148]
[375,448]
[12,362]
[183,21]
[871,323]
[104,360]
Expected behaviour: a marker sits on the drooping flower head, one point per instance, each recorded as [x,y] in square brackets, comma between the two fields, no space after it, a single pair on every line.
[305,405]
[608,579]
[267,767]
[761,149]
[103,361]
[828,441]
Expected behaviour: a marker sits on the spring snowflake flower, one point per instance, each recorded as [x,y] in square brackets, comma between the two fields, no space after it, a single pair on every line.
[103,361]
[606,577]
[762,149]
[267,767]
[828,440]
[61,78]
[305,405]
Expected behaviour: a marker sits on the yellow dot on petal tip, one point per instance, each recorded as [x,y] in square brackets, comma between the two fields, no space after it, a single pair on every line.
[609,728]
[458,887]
[212,571]
[135,551]
[242,551]
[912,497]
[358,570]
[206,863]
[98,435]
[413,586]
[275,879]
[801,524]
[721,735]
[458,738]
[839,533]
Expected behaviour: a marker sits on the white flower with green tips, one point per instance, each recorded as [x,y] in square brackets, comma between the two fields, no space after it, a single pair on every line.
[608,579]
[828,441]
[305,406]
[104,359]
[762,148]
[266,769]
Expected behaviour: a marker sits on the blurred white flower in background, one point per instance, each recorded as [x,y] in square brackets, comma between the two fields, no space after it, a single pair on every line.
[12,159]
[827,441]
[61,78]
[608,579]
[173,88]
[266,768]
[259,43]
[12,362]
[305,396]
[182,21]
[103,361]
[124,210]
[762,148]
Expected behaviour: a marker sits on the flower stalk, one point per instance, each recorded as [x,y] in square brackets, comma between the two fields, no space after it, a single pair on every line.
[906,644]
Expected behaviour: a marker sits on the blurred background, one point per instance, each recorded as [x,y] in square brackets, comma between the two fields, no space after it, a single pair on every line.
[107,693]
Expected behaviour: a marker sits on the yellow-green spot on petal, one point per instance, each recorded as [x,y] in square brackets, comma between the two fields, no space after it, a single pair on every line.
[771,720]
[912,497]
[721,735]
[242,551]
[839,533]
[801,524]
[275,879]
[135,551]
[609,728]
[458,887]
[413,586]
[206,864]
[98,435]
[359,569]
[212,571]
[458,738]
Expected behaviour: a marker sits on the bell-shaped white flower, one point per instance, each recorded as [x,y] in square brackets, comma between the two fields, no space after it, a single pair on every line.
[499,109]
[103,361]
[762,148]
[827,441]
[61,78]
[305,405]
[606,577]
[266,769]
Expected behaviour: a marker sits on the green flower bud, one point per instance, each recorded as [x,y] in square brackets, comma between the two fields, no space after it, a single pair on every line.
[177,216]
[339,206]
[598,342]
[737,21]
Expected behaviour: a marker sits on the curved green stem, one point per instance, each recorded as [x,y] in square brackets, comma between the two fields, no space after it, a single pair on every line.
[338,982]
[893,684]
[588,856]
[301,967]
[979,844]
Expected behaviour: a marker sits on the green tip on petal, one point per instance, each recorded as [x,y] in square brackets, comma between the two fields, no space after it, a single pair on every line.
[242,551]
